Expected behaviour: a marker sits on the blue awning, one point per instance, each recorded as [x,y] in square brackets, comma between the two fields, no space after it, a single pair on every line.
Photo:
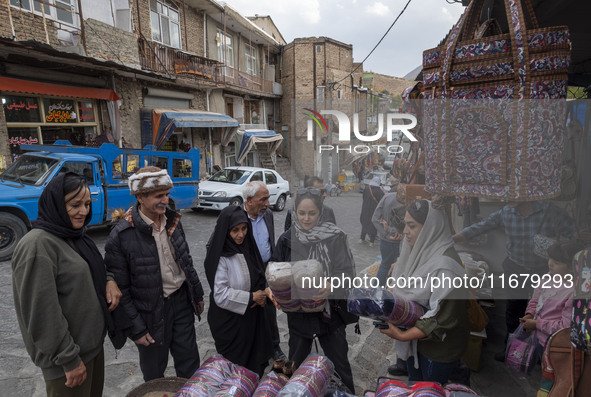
[247,139]
[165,121]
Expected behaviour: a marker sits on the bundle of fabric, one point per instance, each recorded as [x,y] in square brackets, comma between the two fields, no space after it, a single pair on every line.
[242,383]
[270,385]
[310,379]
[381,304]
[279,278]
[457,390]
[306,275]
[396,388]
[392,388]
[207,380]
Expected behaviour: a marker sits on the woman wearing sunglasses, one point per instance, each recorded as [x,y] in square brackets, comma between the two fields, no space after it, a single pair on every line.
[309,238]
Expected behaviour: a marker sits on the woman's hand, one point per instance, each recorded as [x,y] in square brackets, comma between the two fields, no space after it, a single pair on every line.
[528,322]
[259,297]
[271,297]
[404,336]
[113,295]
[77,376]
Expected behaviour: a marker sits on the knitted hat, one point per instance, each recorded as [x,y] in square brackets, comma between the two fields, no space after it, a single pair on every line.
[149,179]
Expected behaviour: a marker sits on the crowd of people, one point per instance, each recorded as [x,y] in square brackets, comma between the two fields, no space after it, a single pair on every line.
[68,298]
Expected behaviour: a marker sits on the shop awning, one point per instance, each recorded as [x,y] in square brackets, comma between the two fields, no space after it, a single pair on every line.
[165,121]
[247,139]
[38,88]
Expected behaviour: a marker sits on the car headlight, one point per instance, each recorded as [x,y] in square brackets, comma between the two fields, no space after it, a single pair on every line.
[219,194]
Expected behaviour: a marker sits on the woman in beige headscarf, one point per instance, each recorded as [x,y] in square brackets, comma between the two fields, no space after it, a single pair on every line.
[435,344]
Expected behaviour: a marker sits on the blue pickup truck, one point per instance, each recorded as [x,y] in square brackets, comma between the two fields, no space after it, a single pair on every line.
[106,168]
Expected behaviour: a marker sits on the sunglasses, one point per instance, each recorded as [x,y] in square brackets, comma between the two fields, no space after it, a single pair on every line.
[311,190]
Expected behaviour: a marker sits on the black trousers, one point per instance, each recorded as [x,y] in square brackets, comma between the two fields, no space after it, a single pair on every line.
[179,340]
[335,347]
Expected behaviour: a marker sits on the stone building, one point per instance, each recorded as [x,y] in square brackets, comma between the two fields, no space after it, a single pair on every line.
[93,71]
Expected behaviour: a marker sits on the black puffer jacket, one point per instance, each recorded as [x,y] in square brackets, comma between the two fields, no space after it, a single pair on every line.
[131,255]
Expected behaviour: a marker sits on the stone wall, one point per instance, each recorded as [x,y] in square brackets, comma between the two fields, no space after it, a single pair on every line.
[27,26]
[394,85]
[107,42]
[130,92]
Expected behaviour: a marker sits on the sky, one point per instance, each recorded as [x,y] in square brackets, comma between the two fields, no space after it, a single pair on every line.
[362,23]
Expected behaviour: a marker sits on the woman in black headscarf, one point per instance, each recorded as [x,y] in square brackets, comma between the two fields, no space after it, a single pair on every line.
[62,293]
[236,275]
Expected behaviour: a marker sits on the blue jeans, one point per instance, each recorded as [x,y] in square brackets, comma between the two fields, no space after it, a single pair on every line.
[429,370]
[389,251]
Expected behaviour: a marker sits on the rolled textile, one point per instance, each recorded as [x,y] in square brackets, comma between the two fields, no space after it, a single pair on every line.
[381,304]
[310,379]
[427,389]
[393,388]
[306,275]
[242,383]
[279,278]
[270,386]
[208,378]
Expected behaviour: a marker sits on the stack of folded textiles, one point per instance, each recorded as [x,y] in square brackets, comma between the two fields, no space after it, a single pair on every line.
[279,278]
[307,276]
[381,304]
[220,377]
[311,379]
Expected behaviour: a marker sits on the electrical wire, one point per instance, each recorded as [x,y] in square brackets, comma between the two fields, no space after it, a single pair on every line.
[376,46]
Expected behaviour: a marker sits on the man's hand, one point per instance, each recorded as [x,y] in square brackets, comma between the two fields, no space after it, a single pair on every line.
[259,297]
[384,224]
[459,238]
[77,376]
[145,340]
[113,295]
[200,307]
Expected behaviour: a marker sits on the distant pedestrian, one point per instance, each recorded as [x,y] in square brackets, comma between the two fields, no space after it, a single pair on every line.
[63,295]
[388,219]
[372,195]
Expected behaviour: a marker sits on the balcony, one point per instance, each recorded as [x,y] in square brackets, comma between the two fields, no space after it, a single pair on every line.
[176,63]
[243,79]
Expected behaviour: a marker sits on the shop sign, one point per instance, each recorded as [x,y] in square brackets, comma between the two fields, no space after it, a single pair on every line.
[86,111]
[59,111]
[19,109]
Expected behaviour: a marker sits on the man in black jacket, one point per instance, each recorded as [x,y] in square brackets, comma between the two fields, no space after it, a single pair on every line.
[260,215]
[149,257]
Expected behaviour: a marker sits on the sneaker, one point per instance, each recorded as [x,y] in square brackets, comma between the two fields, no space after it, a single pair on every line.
[361,241]
[500,356]
[371,244]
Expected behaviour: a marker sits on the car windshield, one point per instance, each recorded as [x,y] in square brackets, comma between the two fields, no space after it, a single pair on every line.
[237,177]
[30,170]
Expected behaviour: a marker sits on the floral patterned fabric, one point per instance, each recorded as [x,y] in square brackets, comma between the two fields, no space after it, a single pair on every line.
[485,135]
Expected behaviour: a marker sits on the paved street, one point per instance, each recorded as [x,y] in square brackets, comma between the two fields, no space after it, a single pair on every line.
[370,353]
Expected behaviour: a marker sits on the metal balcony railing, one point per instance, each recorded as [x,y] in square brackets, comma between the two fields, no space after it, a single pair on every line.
[174,62]
[243,79]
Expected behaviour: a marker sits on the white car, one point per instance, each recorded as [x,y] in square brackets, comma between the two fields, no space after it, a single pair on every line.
[385,180]
[225,187]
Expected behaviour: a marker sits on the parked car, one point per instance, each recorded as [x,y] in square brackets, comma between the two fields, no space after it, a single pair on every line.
[225,187]
[385,177]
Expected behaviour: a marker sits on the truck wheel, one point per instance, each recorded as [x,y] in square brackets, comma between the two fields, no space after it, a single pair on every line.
[236,201]
[280,204]
[12,229]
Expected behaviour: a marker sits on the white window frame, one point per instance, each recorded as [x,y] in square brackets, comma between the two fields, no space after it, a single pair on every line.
[225,47]
[51,11]
[320,93]
[251,58]
[162,13]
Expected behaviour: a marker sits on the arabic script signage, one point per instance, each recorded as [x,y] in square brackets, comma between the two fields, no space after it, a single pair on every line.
[86,112]
[19,109]
[59,111]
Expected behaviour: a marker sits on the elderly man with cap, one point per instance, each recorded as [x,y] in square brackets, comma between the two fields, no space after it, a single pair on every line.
[149,257]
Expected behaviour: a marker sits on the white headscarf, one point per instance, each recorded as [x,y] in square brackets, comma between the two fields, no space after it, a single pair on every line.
[426,260]
[376,181]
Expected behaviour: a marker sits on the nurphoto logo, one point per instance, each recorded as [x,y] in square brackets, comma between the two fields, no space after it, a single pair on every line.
[345,131]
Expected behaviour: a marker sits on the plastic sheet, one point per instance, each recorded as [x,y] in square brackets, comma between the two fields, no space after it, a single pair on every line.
[311,379]
[270,386]
[380,304]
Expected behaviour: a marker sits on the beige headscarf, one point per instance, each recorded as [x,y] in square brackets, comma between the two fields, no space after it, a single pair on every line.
[425,260]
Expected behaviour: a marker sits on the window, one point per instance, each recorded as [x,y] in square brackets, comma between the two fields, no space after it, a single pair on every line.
[251,59]
[270,178]
[225,50]
[165,23]
[346,53]
[258,176]
[61,10]
[339,94]
[320,93]
[318,48]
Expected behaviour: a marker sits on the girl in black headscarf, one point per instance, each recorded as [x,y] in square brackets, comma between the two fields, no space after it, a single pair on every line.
[236,276]
[62,293]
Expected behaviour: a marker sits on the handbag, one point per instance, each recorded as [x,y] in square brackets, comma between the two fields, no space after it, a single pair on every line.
[483,137]
[580,333]
[542,242]
[477,317]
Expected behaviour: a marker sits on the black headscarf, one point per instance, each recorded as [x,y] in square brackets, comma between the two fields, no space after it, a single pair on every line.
[53,218]
[221,244]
